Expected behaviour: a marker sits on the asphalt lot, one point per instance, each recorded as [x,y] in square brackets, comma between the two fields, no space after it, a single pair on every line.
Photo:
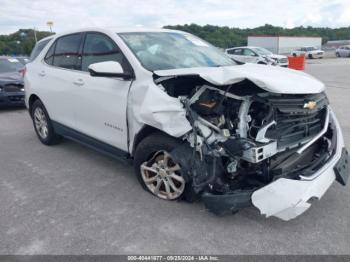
[68,199]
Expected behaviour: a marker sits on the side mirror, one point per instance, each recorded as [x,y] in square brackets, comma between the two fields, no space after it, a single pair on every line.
[108,69]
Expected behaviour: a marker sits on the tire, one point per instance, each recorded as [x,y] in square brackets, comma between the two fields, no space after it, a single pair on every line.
[310,56]
[43,125]
[147,152]
[337,54]
[294,55]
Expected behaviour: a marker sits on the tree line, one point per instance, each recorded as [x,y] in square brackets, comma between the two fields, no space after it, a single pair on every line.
[23,41]
[225,37]
[20,42]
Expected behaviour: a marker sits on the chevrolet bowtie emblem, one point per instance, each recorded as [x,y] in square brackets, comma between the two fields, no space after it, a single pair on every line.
[310,105]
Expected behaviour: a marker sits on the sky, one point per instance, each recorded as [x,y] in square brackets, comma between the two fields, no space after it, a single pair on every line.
[72,14]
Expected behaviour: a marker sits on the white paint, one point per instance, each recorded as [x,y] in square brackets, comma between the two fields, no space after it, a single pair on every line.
[271,78]
[108,67]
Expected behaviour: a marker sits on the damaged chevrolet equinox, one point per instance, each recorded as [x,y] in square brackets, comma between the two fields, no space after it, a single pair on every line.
[195,125]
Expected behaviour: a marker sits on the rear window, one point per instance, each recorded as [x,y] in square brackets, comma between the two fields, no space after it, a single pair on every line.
[8,65]
[38,48]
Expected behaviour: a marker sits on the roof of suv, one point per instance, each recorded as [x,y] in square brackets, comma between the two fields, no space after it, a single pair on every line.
[116,30]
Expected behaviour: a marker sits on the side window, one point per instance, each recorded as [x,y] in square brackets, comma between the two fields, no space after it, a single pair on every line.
[100,48]
[236,52]
[67,52]
[38,48]
[248,52]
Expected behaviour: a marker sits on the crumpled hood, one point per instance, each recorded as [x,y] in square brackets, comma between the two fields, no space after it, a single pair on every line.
[11,77]
[270,78]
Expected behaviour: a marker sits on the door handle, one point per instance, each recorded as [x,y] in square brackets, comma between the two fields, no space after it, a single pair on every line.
[42,73]
[79,82]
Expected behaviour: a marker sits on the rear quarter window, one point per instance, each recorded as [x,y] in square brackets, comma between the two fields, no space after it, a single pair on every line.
[38,48]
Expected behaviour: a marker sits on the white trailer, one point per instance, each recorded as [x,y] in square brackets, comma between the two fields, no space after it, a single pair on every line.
[284,44]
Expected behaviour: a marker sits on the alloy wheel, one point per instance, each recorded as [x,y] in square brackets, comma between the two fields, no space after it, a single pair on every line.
[41,124]
[162,176]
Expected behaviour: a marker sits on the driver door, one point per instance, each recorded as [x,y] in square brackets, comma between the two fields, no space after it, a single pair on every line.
[102,104]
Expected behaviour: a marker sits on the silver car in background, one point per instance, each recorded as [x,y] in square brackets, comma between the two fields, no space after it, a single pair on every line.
[343,51]
[256,55]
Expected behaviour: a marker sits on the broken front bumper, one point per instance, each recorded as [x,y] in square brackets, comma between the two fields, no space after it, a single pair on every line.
[288,198]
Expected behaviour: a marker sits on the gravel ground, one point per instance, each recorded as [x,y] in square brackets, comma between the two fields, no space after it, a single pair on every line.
[68,199]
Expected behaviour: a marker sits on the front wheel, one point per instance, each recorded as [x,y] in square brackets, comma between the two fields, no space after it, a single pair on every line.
[158,171]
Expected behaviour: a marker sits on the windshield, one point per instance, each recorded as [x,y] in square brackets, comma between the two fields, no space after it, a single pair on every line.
[170,50]
[10,65]
[262,51]
[311,48]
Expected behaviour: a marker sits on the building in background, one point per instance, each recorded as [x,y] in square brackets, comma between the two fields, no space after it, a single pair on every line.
[284,44]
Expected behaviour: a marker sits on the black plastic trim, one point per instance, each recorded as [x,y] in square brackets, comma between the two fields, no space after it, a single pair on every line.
[342,168]
[227,203]
[88,141]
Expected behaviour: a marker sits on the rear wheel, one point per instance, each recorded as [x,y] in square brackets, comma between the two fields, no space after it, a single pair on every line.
[42,124]
[310,56]
[337,54]
[158,171]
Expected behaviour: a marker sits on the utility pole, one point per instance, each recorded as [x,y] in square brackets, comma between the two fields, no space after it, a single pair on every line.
[36,40]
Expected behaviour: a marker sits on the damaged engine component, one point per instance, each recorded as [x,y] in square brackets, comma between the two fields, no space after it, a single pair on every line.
[244,137]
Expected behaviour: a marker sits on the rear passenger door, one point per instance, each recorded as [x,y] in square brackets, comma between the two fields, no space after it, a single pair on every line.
[58,91]
[101,107]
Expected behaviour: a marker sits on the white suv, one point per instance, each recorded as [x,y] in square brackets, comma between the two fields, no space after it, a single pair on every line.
[256,55]
[194,123]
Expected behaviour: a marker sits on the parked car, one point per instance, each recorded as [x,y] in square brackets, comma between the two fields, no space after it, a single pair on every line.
[11,82]
[256,55]
[22,59]
[309,52]
[193,122]
[343,51]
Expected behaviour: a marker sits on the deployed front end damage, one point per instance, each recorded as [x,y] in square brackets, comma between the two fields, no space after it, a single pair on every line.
[248,144]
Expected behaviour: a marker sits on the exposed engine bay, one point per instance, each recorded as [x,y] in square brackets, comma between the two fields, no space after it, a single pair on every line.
[244,137]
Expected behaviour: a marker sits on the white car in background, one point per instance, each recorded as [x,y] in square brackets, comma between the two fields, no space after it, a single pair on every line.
[343,51]
[256,55]
[309,52]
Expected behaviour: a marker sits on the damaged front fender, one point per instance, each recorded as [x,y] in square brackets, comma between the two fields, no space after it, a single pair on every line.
[164,112]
